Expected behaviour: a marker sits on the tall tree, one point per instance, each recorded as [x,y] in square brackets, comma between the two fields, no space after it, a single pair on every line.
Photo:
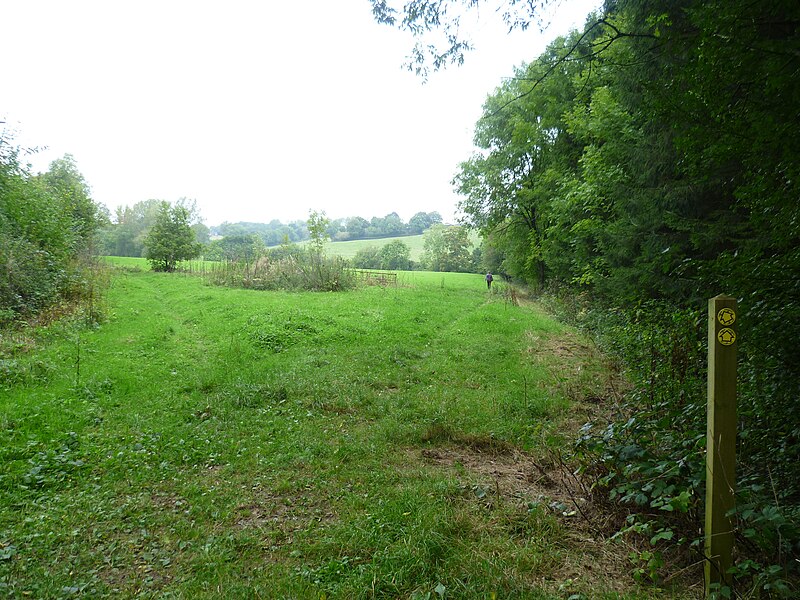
[511,185]
[396,255]
[652,158]
[171,238]
[446,249]
[64,181]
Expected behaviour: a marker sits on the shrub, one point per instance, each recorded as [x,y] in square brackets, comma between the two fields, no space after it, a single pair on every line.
[296,270]
[171,238]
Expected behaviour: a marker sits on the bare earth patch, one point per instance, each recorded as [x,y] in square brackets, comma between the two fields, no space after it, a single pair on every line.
[517,478]
[580,373]
[284,514]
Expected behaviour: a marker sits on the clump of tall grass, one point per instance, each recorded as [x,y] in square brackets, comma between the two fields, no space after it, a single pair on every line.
[299,270]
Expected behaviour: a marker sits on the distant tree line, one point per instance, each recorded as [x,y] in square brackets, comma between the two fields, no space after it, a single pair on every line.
[358,228]
[275,233]
[125,233]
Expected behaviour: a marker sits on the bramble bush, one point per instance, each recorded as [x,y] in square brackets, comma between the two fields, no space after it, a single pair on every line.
[650,457]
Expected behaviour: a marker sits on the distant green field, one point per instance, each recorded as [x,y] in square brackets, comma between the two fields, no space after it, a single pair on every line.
[414,242]
[349,249]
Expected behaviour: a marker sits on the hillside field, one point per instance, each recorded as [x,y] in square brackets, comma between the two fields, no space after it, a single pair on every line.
[206,442]
[350,248]
[415,242]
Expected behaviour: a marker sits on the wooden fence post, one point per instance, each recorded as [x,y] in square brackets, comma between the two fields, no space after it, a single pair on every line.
[721,439]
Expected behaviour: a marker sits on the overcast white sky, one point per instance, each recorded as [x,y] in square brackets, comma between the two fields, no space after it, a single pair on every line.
[258,110]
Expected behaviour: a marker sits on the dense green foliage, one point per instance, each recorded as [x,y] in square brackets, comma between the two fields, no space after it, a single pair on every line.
[396,255]
[447,249]
[131,224]
[650,163]
[47,227]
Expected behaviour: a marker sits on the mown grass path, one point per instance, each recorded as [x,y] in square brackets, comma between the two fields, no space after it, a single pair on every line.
[217,443]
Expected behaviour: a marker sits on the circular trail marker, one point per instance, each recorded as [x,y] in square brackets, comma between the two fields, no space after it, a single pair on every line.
[726,316]
[726,336]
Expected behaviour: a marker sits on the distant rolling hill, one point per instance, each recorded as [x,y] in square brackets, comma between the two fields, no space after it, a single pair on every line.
[415,242]
[348,249]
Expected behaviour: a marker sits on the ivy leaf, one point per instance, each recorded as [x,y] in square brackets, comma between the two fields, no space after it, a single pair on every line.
[665,534]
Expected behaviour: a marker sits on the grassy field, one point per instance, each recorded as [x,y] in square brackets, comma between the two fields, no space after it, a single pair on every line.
[349,249]
[414,242]
[222,443]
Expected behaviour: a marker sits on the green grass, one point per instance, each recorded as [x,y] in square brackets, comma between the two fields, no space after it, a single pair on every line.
[223,443]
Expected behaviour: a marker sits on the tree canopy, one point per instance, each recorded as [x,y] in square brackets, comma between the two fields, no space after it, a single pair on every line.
[48,224]
[447,249]
[171,239]
[436,26]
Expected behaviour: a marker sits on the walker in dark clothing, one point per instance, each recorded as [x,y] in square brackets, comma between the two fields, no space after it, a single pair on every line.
[489,280]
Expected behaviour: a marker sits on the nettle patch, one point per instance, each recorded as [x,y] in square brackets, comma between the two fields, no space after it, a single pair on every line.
[51,466]
[277,331]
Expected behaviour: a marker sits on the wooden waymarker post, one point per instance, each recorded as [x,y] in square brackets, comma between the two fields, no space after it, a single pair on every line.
[721,454]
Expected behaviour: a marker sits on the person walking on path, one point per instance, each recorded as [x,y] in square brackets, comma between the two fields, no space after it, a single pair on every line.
[489,279]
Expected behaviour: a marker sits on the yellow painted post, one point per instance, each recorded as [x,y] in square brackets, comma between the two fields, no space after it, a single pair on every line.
[721,454]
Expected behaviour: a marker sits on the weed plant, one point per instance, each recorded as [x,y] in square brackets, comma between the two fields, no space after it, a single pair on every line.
[300,270]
